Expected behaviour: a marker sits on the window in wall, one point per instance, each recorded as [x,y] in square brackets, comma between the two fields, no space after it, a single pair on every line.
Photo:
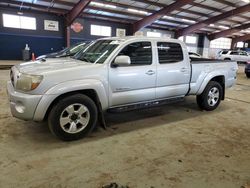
[153,34]
[169,52]
[140,53]
[191,39]
[19,22]
[181,38]
[99,30]
[240,44]
[221,43]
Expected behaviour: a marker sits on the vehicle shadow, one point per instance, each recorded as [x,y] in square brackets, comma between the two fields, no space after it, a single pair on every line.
[120,123]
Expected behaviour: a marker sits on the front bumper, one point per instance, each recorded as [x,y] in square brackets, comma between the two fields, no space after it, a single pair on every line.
[22,105]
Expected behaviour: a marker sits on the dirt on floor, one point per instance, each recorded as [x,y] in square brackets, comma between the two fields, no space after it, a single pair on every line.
[170,146]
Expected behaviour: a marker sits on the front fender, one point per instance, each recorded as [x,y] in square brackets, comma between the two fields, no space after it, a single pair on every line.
[66,87]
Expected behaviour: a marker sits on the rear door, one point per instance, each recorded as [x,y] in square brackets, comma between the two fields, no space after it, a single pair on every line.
[235,56]
[173,70]
[244,56]
[136,82]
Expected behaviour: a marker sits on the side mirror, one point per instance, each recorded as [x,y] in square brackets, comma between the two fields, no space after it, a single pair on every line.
[122,60]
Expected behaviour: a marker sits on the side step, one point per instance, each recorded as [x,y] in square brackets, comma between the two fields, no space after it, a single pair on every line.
[143,105]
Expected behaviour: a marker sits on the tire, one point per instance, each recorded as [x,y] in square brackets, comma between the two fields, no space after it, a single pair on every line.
[73,117]
[209,99]
[227,59]
[248,75]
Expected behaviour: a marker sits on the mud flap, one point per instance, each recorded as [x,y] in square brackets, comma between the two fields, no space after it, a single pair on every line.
[101,117]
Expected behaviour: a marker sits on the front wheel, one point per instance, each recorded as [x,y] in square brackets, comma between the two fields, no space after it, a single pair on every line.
[73,117]
[210,97]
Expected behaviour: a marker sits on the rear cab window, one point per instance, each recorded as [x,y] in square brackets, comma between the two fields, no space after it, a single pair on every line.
[169,52]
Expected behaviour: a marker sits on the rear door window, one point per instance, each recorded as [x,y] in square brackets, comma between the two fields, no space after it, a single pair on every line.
[234,53]
[169,52]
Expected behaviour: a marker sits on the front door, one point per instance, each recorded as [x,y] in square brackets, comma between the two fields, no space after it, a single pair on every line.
[136,82]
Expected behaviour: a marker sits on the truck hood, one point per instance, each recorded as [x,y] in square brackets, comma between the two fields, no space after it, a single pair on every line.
[40,67]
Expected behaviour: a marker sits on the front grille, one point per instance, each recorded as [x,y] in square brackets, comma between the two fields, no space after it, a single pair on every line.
[12,77]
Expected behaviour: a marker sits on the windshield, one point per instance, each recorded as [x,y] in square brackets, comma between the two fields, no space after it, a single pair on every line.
[74,48]
[98,51]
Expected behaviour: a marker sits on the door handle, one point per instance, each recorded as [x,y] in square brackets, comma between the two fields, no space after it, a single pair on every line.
[184,69]
[150,72]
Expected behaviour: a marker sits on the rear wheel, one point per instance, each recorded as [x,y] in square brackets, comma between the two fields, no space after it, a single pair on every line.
[210,97]
[73,117]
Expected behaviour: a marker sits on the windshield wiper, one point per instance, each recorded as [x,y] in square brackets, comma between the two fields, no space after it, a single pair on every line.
[84,59]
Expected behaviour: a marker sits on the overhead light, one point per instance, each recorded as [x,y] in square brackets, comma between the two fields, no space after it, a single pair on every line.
[110,6]
[223,27]
[212,25]
[102,5]
[246,1]
[245,31]
[137,11]
[97,4]
[190,21]
[168,17]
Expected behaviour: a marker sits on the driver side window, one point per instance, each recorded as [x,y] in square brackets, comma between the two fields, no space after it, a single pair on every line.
[140,53]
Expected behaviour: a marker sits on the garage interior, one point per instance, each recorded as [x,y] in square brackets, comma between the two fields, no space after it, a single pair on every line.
[175,145]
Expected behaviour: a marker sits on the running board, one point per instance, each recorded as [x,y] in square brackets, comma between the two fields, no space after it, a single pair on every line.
[147,104]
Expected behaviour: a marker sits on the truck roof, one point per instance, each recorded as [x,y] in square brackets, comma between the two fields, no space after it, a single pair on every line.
[126,38]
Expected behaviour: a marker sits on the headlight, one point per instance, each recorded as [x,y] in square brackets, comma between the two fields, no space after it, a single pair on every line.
[27,82]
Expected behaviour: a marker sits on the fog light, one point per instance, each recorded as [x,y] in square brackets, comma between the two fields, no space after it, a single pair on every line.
[19,107]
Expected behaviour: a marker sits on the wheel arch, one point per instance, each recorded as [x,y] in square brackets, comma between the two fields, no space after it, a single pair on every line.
[91,88]
[91,93]
[218,78]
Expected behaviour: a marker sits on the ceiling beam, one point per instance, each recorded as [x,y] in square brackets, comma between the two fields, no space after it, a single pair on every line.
[228,31]
[159,14]
[76,11]
[242,38]
[194,12]
[214,19]
[31,6]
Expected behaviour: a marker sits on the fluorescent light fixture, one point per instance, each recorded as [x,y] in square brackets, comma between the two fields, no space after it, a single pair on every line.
[97,4]
[137,11]
[246,1]
[212,25]
[103,5]
[168,17]
[245,31]
[223,27]
[110,6]
[190,21]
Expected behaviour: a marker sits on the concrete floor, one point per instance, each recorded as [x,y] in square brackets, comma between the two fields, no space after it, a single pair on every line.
[171,146]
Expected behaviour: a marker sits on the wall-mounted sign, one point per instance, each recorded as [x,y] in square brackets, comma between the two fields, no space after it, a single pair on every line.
[51,25]
[120,32]
[77,27]
[138,33]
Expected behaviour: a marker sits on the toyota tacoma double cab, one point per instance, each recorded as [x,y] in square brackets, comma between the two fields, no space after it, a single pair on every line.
[114,75]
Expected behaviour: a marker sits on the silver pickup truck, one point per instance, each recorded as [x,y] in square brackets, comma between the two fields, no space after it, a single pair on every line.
[114,74]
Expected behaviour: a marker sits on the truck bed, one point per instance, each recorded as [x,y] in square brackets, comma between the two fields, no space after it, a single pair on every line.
[203,68]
